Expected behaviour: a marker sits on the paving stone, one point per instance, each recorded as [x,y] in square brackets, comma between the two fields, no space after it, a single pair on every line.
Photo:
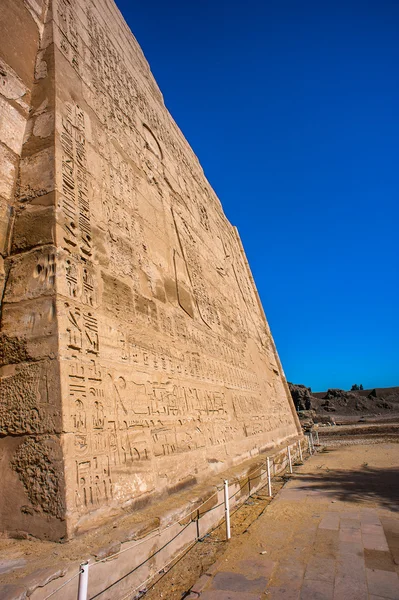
[256,567]
[372,529]
[236,582]
[348,514]
[369,516]
[322,569]
[383,583]
[282,593]
[350,564]
[350,535]
[289,574]
[326,543]
[350,524]
[377,559]
[330,521]
[228,595]
[392,538]
[350,548]
[316,590]
[375,542]
[350,587]
[389,524]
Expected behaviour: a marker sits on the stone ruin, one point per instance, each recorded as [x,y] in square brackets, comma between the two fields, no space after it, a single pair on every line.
[135,354]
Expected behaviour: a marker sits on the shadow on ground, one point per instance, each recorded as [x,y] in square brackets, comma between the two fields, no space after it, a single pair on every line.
[363,485]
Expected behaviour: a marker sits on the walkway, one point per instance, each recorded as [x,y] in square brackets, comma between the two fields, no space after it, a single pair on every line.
[331,534]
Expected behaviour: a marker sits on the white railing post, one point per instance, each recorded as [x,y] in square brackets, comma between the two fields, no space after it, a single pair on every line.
[83,581]
[269,479]
[311,439]
[227,509]
[289,458]
[300,450]
[317,437]
[309,444]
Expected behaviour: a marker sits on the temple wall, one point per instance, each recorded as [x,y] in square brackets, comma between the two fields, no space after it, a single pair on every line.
[139,343]
[32,493]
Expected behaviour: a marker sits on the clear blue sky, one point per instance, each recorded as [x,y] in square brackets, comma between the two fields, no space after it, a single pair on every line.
[293,110]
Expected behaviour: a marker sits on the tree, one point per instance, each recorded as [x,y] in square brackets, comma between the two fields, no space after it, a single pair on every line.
[355,388]
[361,387]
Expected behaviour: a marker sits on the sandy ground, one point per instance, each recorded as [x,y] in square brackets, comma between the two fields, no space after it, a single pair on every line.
[344,478]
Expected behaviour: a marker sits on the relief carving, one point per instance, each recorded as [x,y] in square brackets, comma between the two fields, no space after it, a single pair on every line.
[141,346]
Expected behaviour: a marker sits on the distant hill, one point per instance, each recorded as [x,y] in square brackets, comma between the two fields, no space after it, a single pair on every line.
[376,392]
[375,401]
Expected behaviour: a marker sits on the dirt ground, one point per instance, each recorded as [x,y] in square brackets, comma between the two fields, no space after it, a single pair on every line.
[363,475]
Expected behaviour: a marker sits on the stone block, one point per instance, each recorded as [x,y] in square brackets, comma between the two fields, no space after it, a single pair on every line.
[289,575]
[316,590]
[375,542]
[236,582]
[8,164]
[378,560]
[33,228]
[203,582]
[383,583]
[351,586]
[256,567]
[282,593]
[321,569]
[350,535]
[330,521]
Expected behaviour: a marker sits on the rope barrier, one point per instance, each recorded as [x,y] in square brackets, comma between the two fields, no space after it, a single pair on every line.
[159,572]
[160,531]
[142,563]
[193,544]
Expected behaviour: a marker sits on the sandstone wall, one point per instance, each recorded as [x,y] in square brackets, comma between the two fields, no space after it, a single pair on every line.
[136,355]
[32,492]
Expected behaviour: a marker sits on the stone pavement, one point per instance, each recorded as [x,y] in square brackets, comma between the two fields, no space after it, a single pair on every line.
[317,540]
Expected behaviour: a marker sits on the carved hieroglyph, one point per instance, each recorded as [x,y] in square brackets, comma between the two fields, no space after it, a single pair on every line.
[135,355]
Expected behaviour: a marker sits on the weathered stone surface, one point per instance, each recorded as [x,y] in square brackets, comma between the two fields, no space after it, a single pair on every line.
[108,551]
[10,565]
[136,356]
[13,592]
[140,530]
[41,578]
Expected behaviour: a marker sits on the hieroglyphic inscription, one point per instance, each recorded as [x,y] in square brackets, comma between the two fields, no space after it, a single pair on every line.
[75,195]
[163,346]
